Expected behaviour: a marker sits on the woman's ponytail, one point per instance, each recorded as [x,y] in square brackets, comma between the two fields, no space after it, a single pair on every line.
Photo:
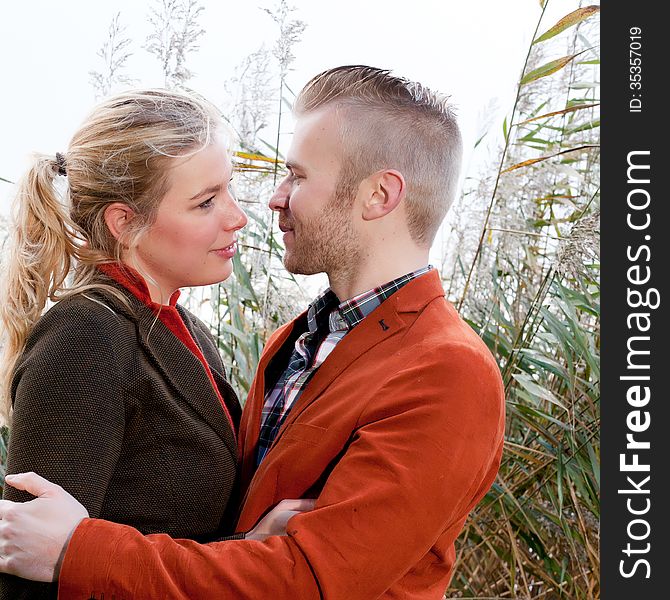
[41,249]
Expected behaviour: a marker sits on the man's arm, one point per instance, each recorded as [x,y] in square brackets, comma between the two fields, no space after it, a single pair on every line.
[34,535]
[422,457]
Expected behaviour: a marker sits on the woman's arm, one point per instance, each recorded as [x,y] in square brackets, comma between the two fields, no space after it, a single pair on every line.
[68,419]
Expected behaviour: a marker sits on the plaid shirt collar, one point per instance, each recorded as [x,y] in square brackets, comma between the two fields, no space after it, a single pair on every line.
[328,321]
[327,313]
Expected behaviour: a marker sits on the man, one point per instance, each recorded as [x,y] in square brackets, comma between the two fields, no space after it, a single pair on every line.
[378,401]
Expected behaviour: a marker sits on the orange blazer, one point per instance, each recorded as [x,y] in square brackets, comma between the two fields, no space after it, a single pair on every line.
[399,435]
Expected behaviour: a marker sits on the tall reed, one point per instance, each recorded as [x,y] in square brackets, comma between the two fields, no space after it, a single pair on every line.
[529,284]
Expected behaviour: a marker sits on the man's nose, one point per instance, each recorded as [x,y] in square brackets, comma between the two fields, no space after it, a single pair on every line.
[279,200]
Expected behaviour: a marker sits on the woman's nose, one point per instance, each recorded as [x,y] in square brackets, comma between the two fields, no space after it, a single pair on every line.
[234,217]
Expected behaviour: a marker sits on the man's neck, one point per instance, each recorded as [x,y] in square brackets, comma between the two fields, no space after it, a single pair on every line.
[375,272]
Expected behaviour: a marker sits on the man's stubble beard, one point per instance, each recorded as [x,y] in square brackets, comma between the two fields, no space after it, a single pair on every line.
[327,243]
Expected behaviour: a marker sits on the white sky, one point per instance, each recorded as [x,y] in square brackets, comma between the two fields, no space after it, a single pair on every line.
[471,50]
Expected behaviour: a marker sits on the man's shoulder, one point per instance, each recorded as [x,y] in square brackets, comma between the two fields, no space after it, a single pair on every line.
[443,339]
[441,317]
[437,344]
[439,366]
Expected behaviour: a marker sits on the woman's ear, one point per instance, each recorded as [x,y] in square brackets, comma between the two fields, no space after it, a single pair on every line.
[118,217]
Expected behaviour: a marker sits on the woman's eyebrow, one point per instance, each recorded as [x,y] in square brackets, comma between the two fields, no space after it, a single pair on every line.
[212,189]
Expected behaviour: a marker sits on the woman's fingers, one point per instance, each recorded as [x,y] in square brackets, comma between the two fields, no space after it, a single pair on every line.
[274,523]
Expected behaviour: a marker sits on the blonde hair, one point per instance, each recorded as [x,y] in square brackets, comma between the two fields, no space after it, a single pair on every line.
[121,153]
[390,122]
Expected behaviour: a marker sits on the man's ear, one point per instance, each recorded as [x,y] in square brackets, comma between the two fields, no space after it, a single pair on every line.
[383,191]
[118,217]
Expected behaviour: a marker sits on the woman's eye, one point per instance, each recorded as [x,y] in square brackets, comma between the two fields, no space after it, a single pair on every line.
[207,203]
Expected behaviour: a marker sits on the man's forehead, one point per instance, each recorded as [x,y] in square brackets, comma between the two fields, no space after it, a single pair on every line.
[317,122]
[316,133]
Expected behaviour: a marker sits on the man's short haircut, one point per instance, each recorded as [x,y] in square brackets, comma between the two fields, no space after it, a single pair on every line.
[393,123]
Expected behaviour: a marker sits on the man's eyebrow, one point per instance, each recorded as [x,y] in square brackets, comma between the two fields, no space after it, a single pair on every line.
[292,166]
[212,189]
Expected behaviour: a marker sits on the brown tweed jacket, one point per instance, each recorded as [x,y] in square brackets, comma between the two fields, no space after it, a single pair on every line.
[109,404]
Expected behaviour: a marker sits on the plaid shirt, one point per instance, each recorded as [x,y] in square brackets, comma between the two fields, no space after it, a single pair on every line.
[328,321]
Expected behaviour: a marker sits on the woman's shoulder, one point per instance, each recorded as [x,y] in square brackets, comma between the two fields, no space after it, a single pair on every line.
[93,313]
[80,332]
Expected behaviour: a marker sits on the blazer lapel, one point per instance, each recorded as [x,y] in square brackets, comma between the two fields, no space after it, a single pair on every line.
[179,366]
[390,318]
[228,394]
[186,374]
[251,416]
[382,323]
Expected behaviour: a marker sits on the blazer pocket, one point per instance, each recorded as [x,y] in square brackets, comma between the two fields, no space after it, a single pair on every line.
[305,432]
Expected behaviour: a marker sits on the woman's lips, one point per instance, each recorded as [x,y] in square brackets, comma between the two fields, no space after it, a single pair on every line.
[227,251]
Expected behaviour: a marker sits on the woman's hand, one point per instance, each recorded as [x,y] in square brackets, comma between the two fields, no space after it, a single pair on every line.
[34,534]
[274,523]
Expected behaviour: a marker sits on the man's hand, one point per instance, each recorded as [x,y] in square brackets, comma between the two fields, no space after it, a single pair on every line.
[274,523]
[34,534]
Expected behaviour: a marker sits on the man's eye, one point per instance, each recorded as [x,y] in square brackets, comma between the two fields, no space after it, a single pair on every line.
[207,203]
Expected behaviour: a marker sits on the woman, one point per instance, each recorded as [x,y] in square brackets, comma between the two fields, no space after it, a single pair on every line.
[118,393]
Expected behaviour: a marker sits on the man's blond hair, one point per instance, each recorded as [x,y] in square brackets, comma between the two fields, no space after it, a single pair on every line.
[388,122]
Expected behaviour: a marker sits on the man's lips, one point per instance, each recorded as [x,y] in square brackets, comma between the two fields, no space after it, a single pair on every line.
[285,227]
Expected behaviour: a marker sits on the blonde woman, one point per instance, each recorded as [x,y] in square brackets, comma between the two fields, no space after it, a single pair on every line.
[117,393]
